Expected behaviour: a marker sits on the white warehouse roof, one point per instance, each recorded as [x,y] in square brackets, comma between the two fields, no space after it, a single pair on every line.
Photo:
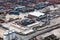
[52,8]
[36,13]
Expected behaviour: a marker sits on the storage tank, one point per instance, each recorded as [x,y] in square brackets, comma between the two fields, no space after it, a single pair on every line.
[13,34]
[9,35]
[6,37]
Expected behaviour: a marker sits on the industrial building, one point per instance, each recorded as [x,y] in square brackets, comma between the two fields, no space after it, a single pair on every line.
[29,19]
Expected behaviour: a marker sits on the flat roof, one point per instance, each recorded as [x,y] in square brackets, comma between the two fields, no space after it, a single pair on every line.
[36,13]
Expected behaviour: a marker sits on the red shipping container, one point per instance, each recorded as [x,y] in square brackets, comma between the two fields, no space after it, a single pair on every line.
[31,5]
[37,1]
[53,1]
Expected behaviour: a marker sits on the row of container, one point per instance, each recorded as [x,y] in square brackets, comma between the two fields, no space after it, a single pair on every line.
[30,3]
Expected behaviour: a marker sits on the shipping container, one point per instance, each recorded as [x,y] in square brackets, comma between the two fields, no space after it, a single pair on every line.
[53,1]
[14,13]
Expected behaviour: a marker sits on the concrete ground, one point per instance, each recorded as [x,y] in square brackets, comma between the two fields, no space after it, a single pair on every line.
[2,30]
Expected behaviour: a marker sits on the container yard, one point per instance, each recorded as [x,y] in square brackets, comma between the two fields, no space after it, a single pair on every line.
[29,19]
